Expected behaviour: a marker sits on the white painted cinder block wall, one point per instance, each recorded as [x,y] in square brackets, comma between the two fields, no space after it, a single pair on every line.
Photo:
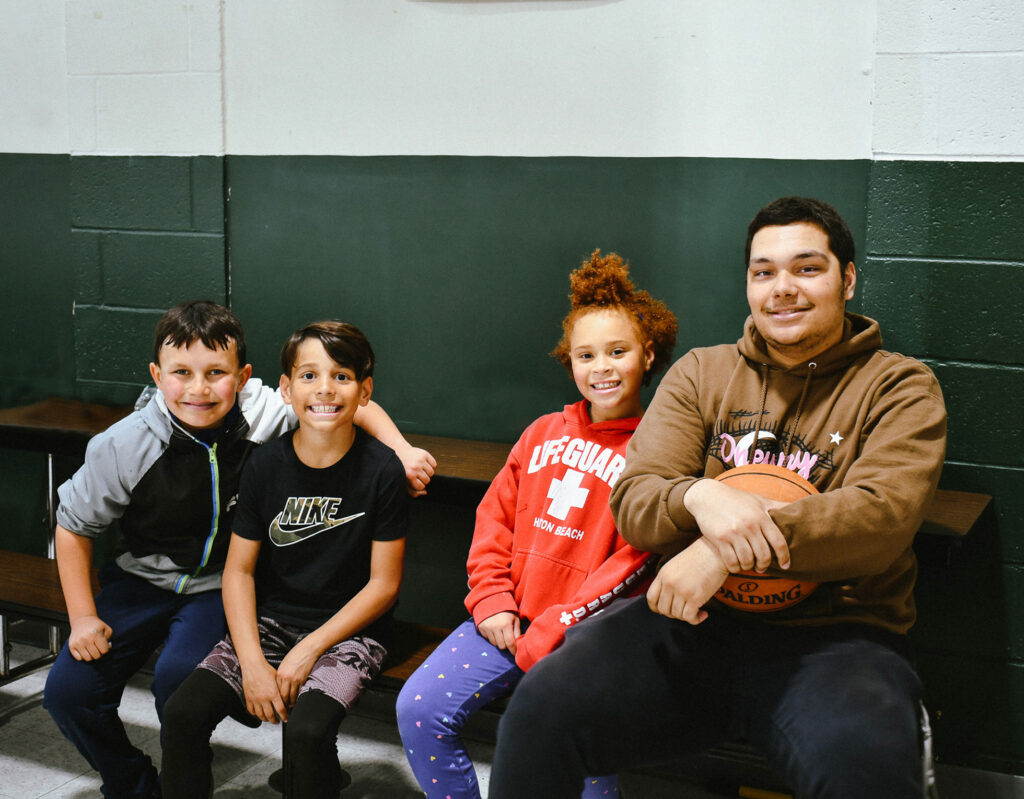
[949,80]
[792,79]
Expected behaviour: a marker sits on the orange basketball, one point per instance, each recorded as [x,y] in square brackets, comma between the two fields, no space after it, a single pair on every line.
[763,593]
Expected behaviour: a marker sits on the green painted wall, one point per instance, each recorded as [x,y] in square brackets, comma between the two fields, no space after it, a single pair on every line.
[457,268]
[945,277]
[38,355]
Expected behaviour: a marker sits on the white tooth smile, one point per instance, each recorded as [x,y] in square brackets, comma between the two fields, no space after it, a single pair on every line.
[323,408]
[606,385]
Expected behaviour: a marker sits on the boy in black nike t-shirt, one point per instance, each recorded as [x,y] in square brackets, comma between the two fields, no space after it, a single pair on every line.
[313,569]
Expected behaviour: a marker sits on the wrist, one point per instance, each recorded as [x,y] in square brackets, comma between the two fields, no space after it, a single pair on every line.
[253,662]
[695,493]
[712,558]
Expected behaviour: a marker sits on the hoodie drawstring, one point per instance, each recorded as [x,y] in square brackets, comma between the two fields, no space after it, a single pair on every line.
[760,413]
[800,406]
[764,400]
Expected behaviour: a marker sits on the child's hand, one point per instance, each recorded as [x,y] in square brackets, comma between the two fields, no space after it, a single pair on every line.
[294,671]
[501,629]
[738,524]
[262,697]
[687,582]
[419,468]
[89,638]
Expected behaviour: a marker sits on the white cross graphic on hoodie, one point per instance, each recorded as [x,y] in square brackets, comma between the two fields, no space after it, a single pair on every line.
[566,494]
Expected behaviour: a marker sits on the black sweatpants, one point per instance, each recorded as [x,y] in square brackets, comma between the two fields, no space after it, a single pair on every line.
[834,708]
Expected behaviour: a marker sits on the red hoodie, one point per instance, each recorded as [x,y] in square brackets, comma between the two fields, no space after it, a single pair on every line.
[545,545]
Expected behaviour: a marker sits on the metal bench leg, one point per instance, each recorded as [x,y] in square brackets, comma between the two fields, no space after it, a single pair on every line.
[927,761]
[5,647]
[51,543]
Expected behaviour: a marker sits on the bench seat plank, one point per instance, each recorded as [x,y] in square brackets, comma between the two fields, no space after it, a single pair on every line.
[30,586]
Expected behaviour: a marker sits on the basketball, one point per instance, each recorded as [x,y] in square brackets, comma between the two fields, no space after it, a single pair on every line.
[763,593]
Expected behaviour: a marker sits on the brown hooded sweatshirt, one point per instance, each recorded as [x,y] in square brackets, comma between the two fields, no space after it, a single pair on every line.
[867,427]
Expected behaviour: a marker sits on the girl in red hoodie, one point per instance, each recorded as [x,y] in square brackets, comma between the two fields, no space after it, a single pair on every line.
[545,552]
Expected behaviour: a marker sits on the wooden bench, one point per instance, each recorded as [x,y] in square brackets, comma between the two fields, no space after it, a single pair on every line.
[29,585]
[29,589]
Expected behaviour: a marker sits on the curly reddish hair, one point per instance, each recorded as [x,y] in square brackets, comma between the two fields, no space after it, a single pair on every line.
[602,283]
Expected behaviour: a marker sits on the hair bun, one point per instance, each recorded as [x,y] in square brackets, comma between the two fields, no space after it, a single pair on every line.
[601,280]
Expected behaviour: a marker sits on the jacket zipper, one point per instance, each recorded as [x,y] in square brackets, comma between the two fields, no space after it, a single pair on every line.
[179,587]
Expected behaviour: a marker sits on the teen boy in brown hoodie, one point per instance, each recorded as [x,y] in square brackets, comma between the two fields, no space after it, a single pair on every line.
[824,687]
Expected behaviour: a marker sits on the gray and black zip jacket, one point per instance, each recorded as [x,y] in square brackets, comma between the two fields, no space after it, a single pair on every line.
[174,494]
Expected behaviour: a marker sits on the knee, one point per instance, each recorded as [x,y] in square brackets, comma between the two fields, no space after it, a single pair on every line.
[182,716]
[530,712]
[63,695]
[862,755]
[169,672]
[306,733]
[406,706]
[419,713]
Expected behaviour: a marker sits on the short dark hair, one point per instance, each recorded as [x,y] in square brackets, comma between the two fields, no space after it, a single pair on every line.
[199,320]
[792,210]
[345,343]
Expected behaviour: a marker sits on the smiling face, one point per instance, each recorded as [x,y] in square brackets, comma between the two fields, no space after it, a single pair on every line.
[199,384]
[323,394]
[608,363]
[797,291]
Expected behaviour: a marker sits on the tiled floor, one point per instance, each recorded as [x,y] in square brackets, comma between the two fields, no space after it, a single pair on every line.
[36,761]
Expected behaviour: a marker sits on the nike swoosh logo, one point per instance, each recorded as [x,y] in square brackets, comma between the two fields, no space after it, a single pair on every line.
[282,537]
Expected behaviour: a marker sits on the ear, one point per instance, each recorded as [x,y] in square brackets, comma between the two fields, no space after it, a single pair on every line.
[243,376]
[286,389]
[849,281]
[648,355]
[154,372]
[365,391]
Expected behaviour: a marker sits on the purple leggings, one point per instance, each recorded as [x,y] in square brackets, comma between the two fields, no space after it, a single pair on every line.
[462,675]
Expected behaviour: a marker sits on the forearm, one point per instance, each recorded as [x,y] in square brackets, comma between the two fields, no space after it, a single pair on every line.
[665,457]
[650,513]
[867,518]
[239,594]
[74,564]
[375,421]
[419,464]
[488,565]
[373,601]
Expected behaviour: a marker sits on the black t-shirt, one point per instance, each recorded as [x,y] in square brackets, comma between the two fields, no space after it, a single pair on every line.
[316,526]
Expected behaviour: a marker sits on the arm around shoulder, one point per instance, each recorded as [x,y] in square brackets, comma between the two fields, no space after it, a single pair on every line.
[419,464]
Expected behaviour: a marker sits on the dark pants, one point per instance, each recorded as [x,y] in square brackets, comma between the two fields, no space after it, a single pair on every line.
[833,708]
[83,697]
[310,754]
